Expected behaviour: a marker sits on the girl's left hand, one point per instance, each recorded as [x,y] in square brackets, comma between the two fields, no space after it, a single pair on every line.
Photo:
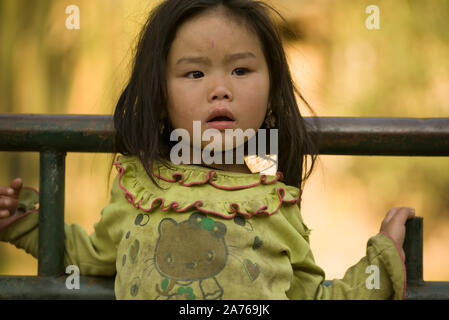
[394,225]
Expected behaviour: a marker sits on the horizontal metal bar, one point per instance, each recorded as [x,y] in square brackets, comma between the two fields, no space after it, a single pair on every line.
[428,290]
[33,287]
[102,288]
[382,136]
[335,135]
[75,133]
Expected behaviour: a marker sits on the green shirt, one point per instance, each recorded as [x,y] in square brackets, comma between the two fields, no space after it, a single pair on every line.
[209,235]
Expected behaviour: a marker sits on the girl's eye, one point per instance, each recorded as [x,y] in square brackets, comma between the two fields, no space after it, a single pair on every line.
[241,71]
[195,74]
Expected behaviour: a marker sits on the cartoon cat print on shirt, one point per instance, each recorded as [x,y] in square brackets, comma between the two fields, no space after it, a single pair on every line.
[189,251]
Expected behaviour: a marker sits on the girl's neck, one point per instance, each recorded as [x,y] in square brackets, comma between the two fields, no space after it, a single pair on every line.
[234,167]
[240,168]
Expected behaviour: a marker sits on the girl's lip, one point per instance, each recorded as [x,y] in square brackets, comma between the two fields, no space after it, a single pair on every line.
[220,125]
[220,111]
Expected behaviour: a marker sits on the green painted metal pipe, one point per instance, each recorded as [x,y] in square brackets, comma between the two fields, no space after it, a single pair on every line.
[51,213]
[75,133]
[32,287]
[102,288]
[334,135]
[428,290]
[381,136]
[413,248]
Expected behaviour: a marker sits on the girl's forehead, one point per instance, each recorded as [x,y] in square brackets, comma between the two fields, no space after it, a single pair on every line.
[211,24]
[216,16]
[215,30]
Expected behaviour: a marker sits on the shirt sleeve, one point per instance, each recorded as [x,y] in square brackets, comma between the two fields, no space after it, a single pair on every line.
[94,254]
[379,275]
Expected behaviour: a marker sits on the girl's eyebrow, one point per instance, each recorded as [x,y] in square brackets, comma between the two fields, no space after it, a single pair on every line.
[206,61]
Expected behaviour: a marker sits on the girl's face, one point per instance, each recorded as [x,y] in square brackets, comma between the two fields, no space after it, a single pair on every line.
[216,74]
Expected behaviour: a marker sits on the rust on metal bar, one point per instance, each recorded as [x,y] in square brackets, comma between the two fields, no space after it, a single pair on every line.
[51,213]
[74,133]
[334,135]
[381,136]
[33,287]
[413,248]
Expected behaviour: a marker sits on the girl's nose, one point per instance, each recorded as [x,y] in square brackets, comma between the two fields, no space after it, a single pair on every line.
[220,91]
[221,95]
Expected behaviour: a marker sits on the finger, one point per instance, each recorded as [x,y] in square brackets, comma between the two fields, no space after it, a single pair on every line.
[9,204]
[16,184]
[390,214]
[411,213]
[403,214]
[4,214]
[6,191]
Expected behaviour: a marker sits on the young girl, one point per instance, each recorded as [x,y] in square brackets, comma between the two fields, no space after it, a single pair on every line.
[209,231]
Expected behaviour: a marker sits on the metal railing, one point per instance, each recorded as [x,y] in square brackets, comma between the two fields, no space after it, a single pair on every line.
[55,135]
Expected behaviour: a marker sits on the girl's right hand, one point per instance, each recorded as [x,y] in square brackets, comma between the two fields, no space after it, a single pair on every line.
[9,198]
[394,225]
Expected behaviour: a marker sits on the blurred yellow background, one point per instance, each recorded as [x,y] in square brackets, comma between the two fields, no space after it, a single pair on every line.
[340,66]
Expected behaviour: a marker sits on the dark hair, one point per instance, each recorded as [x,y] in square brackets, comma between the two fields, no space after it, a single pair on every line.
[138,115]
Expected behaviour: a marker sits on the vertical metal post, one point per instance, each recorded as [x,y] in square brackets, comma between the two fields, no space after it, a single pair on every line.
[413,248]
[51,213]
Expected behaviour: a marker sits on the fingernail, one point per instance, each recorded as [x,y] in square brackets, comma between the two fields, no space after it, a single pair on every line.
[10,191]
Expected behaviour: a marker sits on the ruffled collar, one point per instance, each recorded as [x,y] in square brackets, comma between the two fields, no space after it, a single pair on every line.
[221,193]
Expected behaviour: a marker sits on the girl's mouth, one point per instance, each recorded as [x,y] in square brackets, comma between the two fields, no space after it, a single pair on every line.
[220,118]
[220,123]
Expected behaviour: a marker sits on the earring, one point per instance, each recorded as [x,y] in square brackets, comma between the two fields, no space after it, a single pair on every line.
[270,119]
